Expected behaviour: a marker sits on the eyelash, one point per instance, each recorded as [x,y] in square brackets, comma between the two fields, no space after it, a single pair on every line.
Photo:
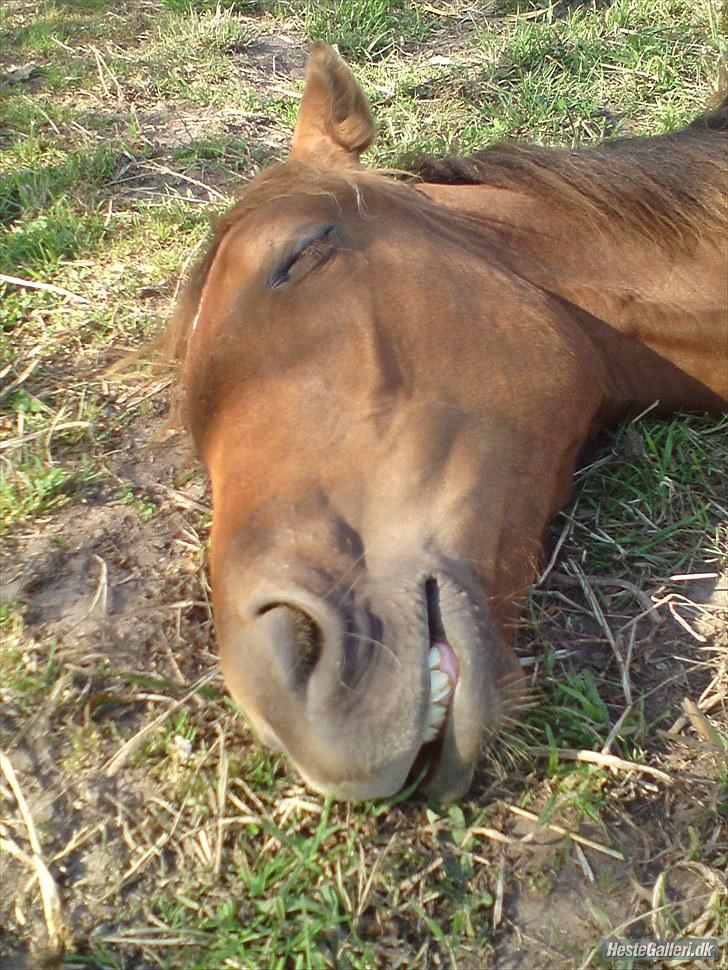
[282,275]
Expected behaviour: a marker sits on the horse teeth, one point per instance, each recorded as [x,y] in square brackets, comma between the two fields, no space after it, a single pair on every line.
[435,721]
[431,733]
[438,681]
[440,690]
[439,696]
[437,712]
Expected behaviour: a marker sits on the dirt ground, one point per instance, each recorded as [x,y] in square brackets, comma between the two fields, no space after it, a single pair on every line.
[116,677]
[122,606]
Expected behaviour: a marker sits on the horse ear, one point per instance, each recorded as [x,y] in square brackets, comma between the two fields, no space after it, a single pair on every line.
[334,123]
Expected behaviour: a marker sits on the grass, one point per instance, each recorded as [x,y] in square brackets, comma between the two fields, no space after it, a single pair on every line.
[201,850]
[658,475]
[365,29]
[19,667]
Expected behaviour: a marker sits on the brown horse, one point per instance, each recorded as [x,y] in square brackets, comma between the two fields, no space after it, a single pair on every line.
[389,382]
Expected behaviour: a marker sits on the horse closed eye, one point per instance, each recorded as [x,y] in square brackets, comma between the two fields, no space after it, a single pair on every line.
[310,253]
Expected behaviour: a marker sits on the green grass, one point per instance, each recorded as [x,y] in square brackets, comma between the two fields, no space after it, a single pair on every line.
[365,29]
[26,673]
[559,78]
[640,503]
[87,203]
[33,490]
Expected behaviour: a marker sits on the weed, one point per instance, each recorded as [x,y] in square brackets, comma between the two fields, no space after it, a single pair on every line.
[32,490]
[364,29]
[145,505]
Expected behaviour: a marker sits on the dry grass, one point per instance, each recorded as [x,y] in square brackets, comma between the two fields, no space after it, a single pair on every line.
[142,826]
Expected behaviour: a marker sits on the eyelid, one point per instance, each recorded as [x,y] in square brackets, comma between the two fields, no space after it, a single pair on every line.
[280,276]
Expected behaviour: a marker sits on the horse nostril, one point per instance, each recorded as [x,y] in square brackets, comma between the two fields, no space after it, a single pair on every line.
[307,638]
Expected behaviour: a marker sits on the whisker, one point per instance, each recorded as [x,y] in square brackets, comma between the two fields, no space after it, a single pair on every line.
[380,643]
[349,590]
[332,589]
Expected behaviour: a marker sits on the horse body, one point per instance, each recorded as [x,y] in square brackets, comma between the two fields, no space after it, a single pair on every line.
[389,384]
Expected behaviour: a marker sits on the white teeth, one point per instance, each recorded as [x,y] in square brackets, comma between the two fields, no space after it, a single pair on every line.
[438,681]
[437,716]
[440,690]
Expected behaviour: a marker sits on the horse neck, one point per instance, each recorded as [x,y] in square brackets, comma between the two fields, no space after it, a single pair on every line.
[658,317]
[656,314]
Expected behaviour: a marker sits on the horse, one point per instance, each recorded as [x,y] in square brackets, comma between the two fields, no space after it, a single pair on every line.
[389,381]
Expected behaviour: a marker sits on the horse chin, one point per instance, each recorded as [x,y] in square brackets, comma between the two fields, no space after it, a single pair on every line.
[448,776]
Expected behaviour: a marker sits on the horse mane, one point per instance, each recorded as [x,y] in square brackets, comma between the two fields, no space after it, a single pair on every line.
[670,188]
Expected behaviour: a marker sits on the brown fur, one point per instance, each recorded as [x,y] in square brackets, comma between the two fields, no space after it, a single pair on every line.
[275,182]
[670,189]
[641,185]
[389,384]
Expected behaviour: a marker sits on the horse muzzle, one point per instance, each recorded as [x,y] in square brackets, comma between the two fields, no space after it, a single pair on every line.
[360,688]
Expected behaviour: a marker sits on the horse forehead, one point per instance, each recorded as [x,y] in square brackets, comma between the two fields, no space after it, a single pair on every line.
[257,232]
[264,225]
[367,200]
